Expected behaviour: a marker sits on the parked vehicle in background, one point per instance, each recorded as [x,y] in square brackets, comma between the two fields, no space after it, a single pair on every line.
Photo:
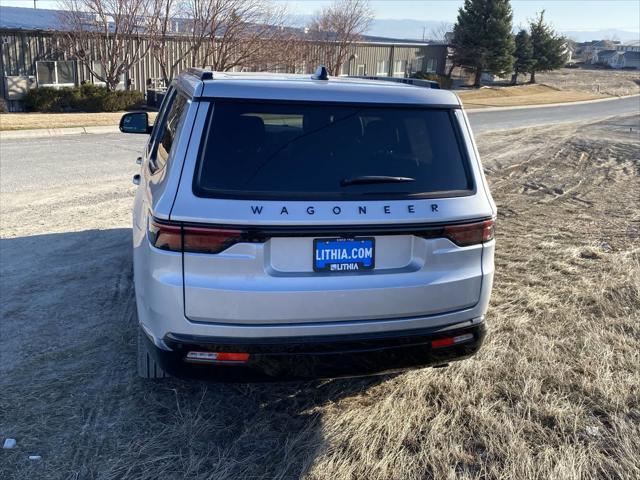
[294,226]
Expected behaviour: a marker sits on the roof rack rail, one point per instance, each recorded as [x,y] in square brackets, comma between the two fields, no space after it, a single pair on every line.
[201,73]
[320,73]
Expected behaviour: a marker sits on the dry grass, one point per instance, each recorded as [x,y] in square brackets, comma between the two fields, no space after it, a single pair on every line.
[32,121]
[521,95]
[608,82]
[554,393]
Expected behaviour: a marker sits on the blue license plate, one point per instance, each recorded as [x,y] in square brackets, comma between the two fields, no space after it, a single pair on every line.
[343,254]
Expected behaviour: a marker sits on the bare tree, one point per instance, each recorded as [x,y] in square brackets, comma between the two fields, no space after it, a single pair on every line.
[439,32]
[190,22]
[167,13]
[246,33]
[107,35]
[294,54]
[340,25]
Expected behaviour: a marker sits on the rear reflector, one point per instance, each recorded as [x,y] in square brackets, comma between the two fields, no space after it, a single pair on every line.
[448,341]
[215,357]
[471,233]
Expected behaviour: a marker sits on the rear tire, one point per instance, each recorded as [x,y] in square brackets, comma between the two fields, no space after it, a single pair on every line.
[147,366]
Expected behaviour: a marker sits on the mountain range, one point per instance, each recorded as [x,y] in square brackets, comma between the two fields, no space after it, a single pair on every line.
[429,29]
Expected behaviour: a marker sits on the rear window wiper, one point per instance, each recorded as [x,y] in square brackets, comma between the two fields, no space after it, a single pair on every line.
[371,179]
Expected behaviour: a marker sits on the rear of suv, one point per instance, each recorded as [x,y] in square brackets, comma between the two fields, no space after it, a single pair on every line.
[288,226]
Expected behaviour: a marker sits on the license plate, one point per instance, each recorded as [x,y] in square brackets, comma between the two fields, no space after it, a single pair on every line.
[343,254]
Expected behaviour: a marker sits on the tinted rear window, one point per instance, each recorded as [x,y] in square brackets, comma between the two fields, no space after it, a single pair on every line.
[304,151]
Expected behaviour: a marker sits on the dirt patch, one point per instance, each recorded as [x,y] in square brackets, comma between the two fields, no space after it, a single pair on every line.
[552,394]
[32,121]
[607,82]
[521,95]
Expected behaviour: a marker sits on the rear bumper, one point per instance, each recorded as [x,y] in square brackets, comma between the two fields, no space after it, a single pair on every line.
[318,357]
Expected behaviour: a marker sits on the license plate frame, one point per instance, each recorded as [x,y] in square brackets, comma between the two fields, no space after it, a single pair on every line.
[344,265]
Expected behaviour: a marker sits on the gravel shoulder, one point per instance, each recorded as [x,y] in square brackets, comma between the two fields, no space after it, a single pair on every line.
[552,394]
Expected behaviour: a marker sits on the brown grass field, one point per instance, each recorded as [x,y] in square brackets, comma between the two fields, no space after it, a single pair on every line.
[522,95]
[32,121]
[553,394]
[607,82]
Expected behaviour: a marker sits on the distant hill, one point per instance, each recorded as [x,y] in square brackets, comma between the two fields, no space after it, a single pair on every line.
[413,30]
[409,29]
[402,29]
[608,34]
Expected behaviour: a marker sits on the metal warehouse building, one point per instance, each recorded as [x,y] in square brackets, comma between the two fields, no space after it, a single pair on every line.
[32,55]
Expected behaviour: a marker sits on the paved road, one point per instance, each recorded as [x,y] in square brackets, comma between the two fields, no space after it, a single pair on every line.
[38,164]
[526,117]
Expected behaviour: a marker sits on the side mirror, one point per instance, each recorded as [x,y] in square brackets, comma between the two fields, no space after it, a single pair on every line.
[135,122]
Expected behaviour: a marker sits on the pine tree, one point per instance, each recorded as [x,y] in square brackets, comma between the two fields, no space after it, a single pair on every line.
[549,48]
[482,37]
[523,55]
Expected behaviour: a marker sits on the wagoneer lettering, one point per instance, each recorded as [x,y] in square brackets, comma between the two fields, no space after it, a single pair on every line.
[306,228]
[361,210]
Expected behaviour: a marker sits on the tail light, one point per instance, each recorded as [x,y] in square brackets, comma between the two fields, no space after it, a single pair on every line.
[470,233]
[209,240]
[178,237]
[184,238]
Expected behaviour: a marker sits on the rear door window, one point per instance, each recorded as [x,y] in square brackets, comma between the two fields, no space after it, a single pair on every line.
[161,119]
[312,150]
[170,130]
[166,131]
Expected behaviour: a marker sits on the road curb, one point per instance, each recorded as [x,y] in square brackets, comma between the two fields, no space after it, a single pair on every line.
[56,132]
[561,104]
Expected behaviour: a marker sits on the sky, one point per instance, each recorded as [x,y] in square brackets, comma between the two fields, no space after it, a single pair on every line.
[562,14]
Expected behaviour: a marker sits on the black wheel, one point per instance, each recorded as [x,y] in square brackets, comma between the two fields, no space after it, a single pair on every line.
[147,366]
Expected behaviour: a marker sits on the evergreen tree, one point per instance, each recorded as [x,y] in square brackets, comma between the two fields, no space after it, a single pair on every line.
[549,48]
[523,55]
[482,37]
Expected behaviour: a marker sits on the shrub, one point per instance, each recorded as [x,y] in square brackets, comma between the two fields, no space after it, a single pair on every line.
[444,81]
[122,100]
[48,99]
[86,98]
[3,106]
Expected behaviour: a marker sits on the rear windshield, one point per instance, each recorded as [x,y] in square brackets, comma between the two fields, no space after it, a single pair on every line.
[314,150]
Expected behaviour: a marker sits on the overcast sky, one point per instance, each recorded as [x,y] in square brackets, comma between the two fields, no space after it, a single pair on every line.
[563,14]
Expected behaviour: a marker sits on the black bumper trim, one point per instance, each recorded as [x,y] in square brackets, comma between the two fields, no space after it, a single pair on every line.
[317,357]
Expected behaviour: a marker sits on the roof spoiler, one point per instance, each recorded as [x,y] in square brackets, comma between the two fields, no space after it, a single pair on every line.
[201,73]
[321,73]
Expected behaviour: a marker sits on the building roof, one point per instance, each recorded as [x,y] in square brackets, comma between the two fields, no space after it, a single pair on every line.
[607,53]
[29,18]
[267,86]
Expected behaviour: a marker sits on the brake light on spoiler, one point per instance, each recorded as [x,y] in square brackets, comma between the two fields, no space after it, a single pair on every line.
[179,237]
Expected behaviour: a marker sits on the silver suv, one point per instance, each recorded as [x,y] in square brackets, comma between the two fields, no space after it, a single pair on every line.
[290,226]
